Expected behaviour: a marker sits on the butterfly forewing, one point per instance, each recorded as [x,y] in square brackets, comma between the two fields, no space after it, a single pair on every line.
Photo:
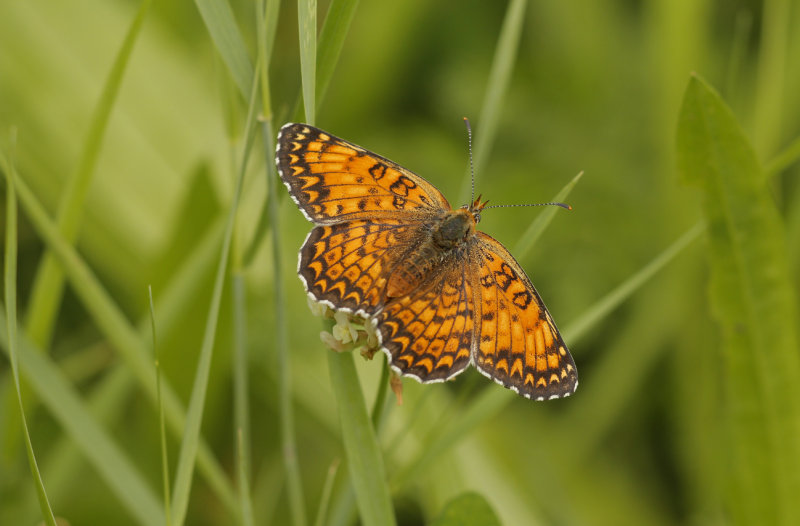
[332,180]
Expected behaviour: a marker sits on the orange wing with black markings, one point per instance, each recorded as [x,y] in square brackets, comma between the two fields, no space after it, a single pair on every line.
[332,180]
[519,345]
[429,334]
[346,265]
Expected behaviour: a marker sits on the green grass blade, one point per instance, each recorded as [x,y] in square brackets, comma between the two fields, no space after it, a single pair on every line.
[307,21]
[49,282]
[753,300]
[331,40]
[221,25]
[499,78]
[327,489]
[66,406]
[241,408]
[194,414]
[11,328]
[770,105]
[539,224]
[364,460]
[603,307]
[161,427]
[297,506]
[787,157]
[119,332]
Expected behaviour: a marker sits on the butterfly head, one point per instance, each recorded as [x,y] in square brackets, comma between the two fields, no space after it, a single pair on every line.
[475,208]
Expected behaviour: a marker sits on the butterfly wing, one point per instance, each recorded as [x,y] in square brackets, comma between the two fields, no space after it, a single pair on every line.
[519,345]
[429,334]
[346,265]
[333,180]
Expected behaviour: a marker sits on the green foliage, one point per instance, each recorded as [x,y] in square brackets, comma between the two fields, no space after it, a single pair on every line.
[145,157]
[468,509]
[754,302]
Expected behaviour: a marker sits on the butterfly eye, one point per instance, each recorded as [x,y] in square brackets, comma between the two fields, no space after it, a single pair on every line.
[477,216]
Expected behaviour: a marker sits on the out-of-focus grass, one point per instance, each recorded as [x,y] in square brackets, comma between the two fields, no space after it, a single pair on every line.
[592,87]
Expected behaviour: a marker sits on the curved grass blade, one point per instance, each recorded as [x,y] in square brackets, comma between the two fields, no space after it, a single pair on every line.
[194,414]
[10,266]
[48,285]
[221,25]
[124,338]
[539,224]
[161,426]
[307,20]
[752,297]
[66,406]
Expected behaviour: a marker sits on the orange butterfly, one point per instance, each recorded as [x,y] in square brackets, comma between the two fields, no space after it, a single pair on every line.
[387,246]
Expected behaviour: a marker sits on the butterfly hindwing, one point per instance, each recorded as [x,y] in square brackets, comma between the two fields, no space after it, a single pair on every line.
[519,345]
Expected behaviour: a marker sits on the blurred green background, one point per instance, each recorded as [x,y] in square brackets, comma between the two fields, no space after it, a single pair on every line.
[596,86]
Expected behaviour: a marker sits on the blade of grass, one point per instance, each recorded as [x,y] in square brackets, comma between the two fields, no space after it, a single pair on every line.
[48,285]
[221,24]
[119,332]
[499,77]
[194,414]
[325,498]
[294,482]
[331,40]
[364,460]
[753,299]
[787,157]
[64,403]
[769,101]
[307,21]
[241,408]
[161,426]
[10,266]
[538,225]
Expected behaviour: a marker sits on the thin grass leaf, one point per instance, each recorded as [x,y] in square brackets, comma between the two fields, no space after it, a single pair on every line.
[294,482]
[539,224]
[10,266]
[325,497]
[48,285]
[499,77]
[787,157]
[161,426]
[221,25]
[307,21]
[770,81]
[241,407]
[66,406]
[120,333]
[194,414]
[331,40]
[753,299]
[364,460]
[603,307]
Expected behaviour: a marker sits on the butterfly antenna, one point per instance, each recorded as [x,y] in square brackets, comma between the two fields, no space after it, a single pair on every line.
[471,165]
[562,205]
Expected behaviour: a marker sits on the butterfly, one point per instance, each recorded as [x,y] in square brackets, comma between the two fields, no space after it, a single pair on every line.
[388,247]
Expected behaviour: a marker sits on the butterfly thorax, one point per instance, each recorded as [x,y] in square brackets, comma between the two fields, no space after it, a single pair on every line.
[443,239]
